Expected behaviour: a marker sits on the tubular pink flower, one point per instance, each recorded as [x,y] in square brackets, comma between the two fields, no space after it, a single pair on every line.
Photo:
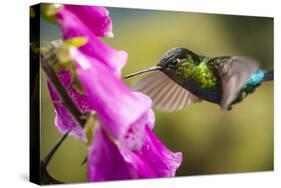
[108,162]
[120,110]
[72,26]
[73,23]
[124,146]
[95,19]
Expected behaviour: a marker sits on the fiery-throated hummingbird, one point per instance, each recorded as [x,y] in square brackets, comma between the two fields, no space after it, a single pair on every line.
[183,77]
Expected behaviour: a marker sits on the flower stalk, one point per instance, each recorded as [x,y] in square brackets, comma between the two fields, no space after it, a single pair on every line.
[65,98]
[67,101]
[49,156]
[46,177]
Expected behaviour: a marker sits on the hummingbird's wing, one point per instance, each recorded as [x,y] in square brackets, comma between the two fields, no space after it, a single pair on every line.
[166,94]
[234,72]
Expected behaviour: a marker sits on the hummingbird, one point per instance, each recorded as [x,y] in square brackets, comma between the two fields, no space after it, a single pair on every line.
[183,77]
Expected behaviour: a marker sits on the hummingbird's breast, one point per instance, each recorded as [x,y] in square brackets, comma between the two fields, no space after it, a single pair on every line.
[211,94]
[200,80]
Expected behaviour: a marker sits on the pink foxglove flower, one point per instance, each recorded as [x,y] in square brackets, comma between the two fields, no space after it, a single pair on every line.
[120,110]
[89,22]
[72,24]
[106,161]
[95,19]
[127,117]
[124,146]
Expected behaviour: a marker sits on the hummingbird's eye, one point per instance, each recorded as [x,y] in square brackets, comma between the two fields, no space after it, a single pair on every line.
[175,62]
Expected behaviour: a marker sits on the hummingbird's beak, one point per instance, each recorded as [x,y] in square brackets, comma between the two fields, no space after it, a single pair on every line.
[143,71]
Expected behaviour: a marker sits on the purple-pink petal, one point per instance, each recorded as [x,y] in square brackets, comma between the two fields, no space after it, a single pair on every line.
[117,107]
[95,18]
[107,161]
[154,159]
[72,26]
[64,120]
[134,137]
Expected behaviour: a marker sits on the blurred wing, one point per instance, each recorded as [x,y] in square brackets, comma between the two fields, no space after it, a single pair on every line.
[166,94]
[234,73]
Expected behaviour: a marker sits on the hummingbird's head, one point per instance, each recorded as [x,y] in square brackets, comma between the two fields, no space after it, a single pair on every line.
[174,57]
[169,62]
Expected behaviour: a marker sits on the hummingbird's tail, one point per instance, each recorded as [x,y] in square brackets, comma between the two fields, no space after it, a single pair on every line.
[269,76]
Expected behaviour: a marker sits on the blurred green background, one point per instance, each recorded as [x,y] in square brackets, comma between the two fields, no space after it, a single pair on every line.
[211,141]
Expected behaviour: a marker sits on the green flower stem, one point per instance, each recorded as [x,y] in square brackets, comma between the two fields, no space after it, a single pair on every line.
[48,157]
[47,60]
[46,178]
[66,99]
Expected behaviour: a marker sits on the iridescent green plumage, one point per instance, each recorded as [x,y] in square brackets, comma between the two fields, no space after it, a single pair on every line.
[200,73]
